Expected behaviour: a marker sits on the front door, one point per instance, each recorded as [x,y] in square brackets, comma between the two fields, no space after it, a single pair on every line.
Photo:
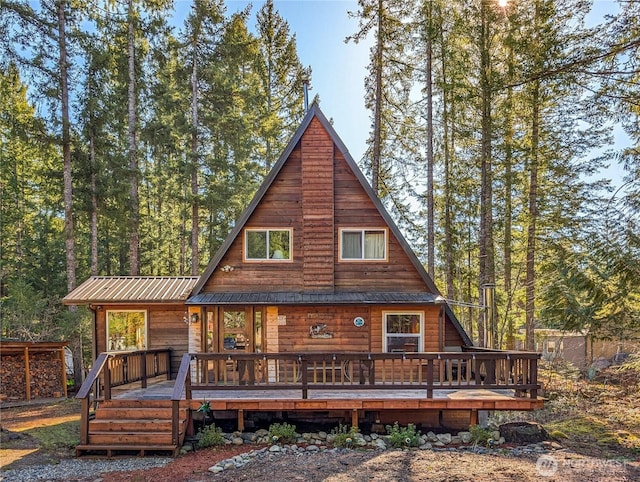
[234,329]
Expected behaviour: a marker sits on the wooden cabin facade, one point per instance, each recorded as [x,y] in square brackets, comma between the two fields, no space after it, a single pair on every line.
[314,304]
[316,264]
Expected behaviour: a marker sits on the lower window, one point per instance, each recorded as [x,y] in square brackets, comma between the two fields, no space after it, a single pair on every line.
[402,332]
[126,330]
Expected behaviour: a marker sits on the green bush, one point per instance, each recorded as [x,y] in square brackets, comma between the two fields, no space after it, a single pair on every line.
[210,436]
[403,436]
[344,436]
[282,433]
[479,435]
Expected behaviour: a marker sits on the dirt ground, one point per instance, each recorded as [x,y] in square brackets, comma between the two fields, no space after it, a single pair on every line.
[392,466]
[352,466]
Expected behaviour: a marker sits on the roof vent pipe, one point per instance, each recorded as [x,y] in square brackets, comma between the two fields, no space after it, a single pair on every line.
[305,87]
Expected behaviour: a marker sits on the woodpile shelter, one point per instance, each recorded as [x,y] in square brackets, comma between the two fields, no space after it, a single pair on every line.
[314,305]
[32,370]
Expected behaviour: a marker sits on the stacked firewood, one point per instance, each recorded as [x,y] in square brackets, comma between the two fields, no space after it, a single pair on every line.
[45,373]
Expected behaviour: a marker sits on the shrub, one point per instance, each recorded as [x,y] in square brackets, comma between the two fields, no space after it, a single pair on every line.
[210,436]
[479,435]
[282,433]
[344,435]
[403,436]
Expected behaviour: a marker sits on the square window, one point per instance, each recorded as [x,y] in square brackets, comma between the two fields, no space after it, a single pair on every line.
[403,332]
[126,330]
[363,244]
[268,244]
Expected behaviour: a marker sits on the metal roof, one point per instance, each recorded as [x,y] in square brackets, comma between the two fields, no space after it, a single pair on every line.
[132,289]
[301,298]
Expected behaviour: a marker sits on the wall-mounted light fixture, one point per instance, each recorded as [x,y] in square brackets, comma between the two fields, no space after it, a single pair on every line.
[190,319]
[226,268]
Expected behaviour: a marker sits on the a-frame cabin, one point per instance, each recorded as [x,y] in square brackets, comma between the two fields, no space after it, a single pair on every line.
[316,263]
[314,307]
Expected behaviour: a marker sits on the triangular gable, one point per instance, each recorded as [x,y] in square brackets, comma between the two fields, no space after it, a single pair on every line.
[315,112]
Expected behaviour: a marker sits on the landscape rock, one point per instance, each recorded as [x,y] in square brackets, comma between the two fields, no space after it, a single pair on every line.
[523,432]
[445,438]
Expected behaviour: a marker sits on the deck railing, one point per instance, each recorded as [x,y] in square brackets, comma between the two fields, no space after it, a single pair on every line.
[112,369]
[472,368]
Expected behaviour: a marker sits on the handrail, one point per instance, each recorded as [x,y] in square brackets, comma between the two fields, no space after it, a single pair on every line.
[112,369]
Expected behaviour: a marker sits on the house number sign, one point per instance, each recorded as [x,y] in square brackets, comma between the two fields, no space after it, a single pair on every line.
[358,321]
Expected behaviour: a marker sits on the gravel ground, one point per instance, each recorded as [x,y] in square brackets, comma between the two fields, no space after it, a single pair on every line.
[81,469]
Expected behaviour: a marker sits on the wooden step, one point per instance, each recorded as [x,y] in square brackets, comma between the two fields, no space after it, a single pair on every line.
[121,448]
[134,413]
[130,438]
[130,425]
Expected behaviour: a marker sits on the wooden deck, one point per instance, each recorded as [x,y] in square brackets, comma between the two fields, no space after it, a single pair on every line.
[145,410]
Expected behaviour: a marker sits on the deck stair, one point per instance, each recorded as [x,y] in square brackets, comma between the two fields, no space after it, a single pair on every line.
[133,426]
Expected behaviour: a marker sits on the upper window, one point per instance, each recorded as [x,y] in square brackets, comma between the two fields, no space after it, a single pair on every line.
[363,244]
[126,330]
[267,244]
[402,332]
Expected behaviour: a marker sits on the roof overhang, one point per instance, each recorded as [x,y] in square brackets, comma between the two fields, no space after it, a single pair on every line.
[132,289]
[301,298]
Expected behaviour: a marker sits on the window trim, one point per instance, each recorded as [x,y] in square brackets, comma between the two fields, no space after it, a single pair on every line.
[245,249]
[384,230]
[385,334]
[146,328]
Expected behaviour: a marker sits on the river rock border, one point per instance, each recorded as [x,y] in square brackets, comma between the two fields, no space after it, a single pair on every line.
[309,443]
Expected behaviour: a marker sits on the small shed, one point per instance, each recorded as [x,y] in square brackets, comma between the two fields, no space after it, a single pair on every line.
[30,370]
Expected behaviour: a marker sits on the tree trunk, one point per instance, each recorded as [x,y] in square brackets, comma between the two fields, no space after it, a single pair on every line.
[430,207]
[377,113]
[94,207]
[134,241]
[195,208]
[66,150]
[533,216]
[508,204]
[487,269]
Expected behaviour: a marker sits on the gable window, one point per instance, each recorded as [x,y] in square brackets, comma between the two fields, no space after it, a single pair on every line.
[403,331]
[363,244]
[126,330]
[267,244]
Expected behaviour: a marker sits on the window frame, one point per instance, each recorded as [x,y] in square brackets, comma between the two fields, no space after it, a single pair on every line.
[385,333]
[363,231]
[146,329]
[245,244]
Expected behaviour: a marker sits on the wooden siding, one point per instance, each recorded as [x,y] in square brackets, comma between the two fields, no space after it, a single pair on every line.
[315,197]
[280,207]
[165,329]
[354,208]
[317,208]
[294,336]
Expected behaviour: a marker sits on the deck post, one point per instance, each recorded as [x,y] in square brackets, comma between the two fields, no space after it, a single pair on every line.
[354,418]
[533,363]
[240,420]
[305,378]
[429,378]
[474,418]
[84,421]
[143,369]
[107,381]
